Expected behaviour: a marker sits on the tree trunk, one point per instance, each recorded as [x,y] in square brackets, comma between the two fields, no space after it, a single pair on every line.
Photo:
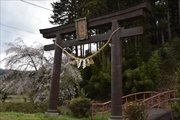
[169,26]
[97,46]
[179,10]
[76,54]
[33,62]
[135,42]
[162,34]
[89,47]
[83,51]
[81,54]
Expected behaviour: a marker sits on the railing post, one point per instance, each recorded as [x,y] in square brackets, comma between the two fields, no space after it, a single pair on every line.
[103,111]
[167,100]
[148,114]
[158,103]
[92,112]
[174,94]
[144,96]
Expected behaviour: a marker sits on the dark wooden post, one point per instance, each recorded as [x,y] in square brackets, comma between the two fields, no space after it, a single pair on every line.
[53,100]
[116,75]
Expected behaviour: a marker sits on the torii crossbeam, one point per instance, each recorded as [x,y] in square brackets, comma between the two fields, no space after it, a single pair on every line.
[114,19]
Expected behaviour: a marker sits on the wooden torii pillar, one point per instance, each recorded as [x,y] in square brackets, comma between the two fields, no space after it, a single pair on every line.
[114,19]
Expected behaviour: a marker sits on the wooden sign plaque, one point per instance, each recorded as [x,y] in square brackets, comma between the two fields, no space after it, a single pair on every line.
[81,29]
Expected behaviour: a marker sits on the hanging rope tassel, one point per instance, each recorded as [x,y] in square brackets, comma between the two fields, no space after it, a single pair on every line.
[88,60]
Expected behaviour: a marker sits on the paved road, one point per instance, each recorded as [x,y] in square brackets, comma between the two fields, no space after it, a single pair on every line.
[163,114]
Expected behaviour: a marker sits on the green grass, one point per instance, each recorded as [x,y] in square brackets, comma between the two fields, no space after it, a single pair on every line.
[41,116]
[17,99]
[21,116]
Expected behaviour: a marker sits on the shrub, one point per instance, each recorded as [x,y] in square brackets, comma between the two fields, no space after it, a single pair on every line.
[24,107]
[135,111]
[3,96]
[80,107]
[176,107]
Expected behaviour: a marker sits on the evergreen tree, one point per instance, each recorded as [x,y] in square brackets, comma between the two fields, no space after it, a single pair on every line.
[145,76]
[142,69]
[92,8]
[65,11]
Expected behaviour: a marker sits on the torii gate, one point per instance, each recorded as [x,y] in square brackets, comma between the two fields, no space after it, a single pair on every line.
[114,19]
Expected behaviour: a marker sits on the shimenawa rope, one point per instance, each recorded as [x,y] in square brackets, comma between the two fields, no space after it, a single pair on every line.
[87,61]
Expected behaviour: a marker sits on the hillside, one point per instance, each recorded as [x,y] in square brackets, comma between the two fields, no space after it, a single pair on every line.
[2,72]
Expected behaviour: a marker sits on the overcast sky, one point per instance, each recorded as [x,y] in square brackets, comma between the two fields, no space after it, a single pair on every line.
[24,16]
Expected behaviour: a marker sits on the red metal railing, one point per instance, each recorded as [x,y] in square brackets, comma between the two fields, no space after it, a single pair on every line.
[102,108]
[160,100]
[151,99]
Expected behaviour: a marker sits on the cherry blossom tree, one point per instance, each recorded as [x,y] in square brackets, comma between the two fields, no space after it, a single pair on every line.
[23,57]
[30,71]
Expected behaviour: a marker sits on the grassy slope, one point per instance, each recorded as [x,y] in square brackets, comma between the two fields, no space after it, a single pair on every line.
[38,116]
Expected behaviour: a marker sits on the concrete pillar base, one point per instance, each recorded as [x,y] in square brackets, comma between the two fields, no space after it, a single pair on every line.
[52,113]
[116,118]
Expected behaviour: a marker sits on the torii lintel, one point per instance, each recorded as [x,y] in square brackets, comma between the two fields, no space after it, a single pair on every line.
[128,14]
